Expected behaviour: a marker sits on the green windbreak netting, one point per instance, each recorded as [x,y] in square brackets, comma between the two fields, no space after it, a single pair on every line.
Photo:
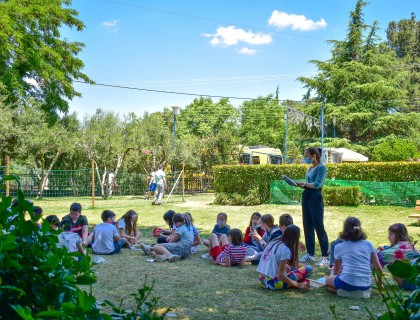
[374,193]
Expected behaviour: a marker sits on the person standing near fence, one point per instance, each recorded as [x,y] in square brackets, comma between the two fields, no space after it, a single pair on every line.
[152,184]
[160,185]
[313,207]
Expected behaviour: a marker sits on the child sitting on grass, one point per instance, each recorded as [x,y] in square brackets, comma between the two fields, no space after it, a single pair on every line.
[178,247]
[401,246]
[353,261]
[54,222]
[78,222]
[271,232]
[162,235]
[228,251]
[279,263]
[106,239]
[127,227]
[219,229]
[286,220]
[70,240]
[254,227]
[197,239]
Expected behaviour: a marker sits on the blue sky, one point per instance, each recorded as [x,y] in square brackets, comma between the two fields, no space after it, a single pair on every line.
[240,48]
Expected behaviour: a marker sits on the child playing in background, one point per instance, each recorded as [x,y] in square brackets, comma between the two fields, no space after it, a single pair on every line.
[401,246]
[219,229]
[127,227]
[162,235]
[70,240]
[228,251]
[279,263]
[152,183]
[178,247]
[354,258]
[54,222]
[106,239]
[254,227]
[197,239]
[78,223]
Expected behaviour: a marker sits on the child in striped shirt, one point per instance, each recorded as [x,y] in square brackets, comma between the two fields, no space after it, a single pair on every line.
[228,251]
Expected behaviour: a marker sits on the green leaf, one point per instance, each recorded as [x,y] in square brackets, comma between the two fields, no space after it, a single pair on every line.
[50,314]
[402,269]
[12,288]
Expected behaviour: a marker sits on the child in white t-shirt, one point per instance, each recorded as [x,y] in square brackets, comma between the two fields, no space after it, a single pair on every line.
[279,265]
[106,239]
[70,240]
[353,260]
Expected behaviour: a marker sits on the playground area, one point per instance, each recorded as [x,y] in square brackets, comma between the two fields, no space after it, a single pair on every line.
[194,287]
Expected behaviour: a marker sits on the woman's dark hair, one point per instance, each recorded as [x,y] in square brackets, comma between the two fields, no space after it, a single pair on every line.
[290,238]
[168,217]
[178,218]
[400,232]
[130,225]
[106,214]
[268,220]
[254,214]
[236,236]
[352,230]
[189,217]
[315,151]
[285,220]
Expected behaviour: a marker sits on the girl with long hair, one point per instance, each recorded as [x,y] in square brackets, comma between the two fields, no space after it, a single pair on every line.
[127,227]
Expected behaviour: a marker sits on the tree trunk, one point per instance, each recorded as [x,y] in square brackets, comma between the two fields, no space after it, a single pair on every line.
[42,180]
[99,179]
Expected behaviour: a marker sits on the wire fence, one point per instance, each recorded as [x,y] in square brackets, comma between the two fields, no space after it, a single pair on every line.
[373,193]
[78,183]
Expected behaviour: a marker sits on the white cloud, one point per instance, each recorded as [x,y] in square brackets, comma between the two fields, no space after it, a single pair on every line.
[229,36]
[247,51]
[111,25]
[283,20]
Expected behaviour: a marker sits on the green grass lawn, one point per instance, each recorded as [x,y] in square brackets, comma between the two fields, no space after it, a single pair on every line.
[198,289]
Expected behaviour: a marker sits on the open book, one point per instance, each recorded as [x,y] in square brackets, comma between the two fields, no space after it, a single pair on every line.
[290,181]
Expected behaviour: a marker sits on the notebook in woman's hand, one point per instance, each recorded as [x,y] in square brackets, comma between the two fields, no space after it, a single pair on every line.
[290,181]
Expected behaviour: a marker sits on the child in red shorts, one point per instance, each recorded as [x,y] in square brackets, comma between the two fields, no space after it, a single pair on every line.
[229,250]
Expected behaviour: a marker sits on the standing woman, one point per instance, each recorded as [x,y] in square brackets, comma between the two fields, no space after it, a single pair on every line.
[313,207]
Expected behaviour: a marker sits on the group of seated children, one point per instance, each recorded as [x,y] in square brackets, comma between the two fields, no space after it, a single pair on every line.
[273,248]
[107,237]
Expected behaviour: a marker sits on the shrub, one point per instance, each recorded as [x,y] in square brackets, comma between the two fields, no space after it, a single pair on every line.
[243,178]
[395,150]
[236,199]
[342,196]
[40,280]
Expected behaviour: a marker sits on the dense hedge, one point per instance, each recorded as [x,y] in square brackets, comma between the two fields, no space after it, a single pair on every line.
[243,178]
[342,196]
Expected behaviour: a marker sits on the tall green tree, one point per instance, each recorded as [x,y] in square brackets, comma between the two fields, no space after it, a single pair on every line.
[35,60]
[262,122]
[362,81]
[215,126]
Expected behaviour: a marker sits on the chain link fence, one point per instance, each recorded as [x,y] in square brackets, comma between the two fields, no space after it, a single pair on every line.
[78,183]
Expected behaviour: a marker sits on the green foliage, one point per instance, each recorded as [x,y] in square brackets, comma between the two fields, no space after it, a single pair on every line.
[342,196]
[262,122]
[236,199]
[39,280]
[395,150]
[243,178]
[401,305]
[35,61]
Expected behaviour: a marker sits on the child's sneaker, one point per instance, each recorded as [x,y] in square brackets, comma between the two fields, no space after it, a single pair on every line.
[146,248]
[162,257]
[206,256]
[174,258]
[323,262]
[307,258]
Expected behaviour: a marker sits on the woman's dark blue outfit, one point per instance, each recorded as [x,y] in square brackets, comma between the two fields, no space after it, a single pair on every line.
[313,210]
